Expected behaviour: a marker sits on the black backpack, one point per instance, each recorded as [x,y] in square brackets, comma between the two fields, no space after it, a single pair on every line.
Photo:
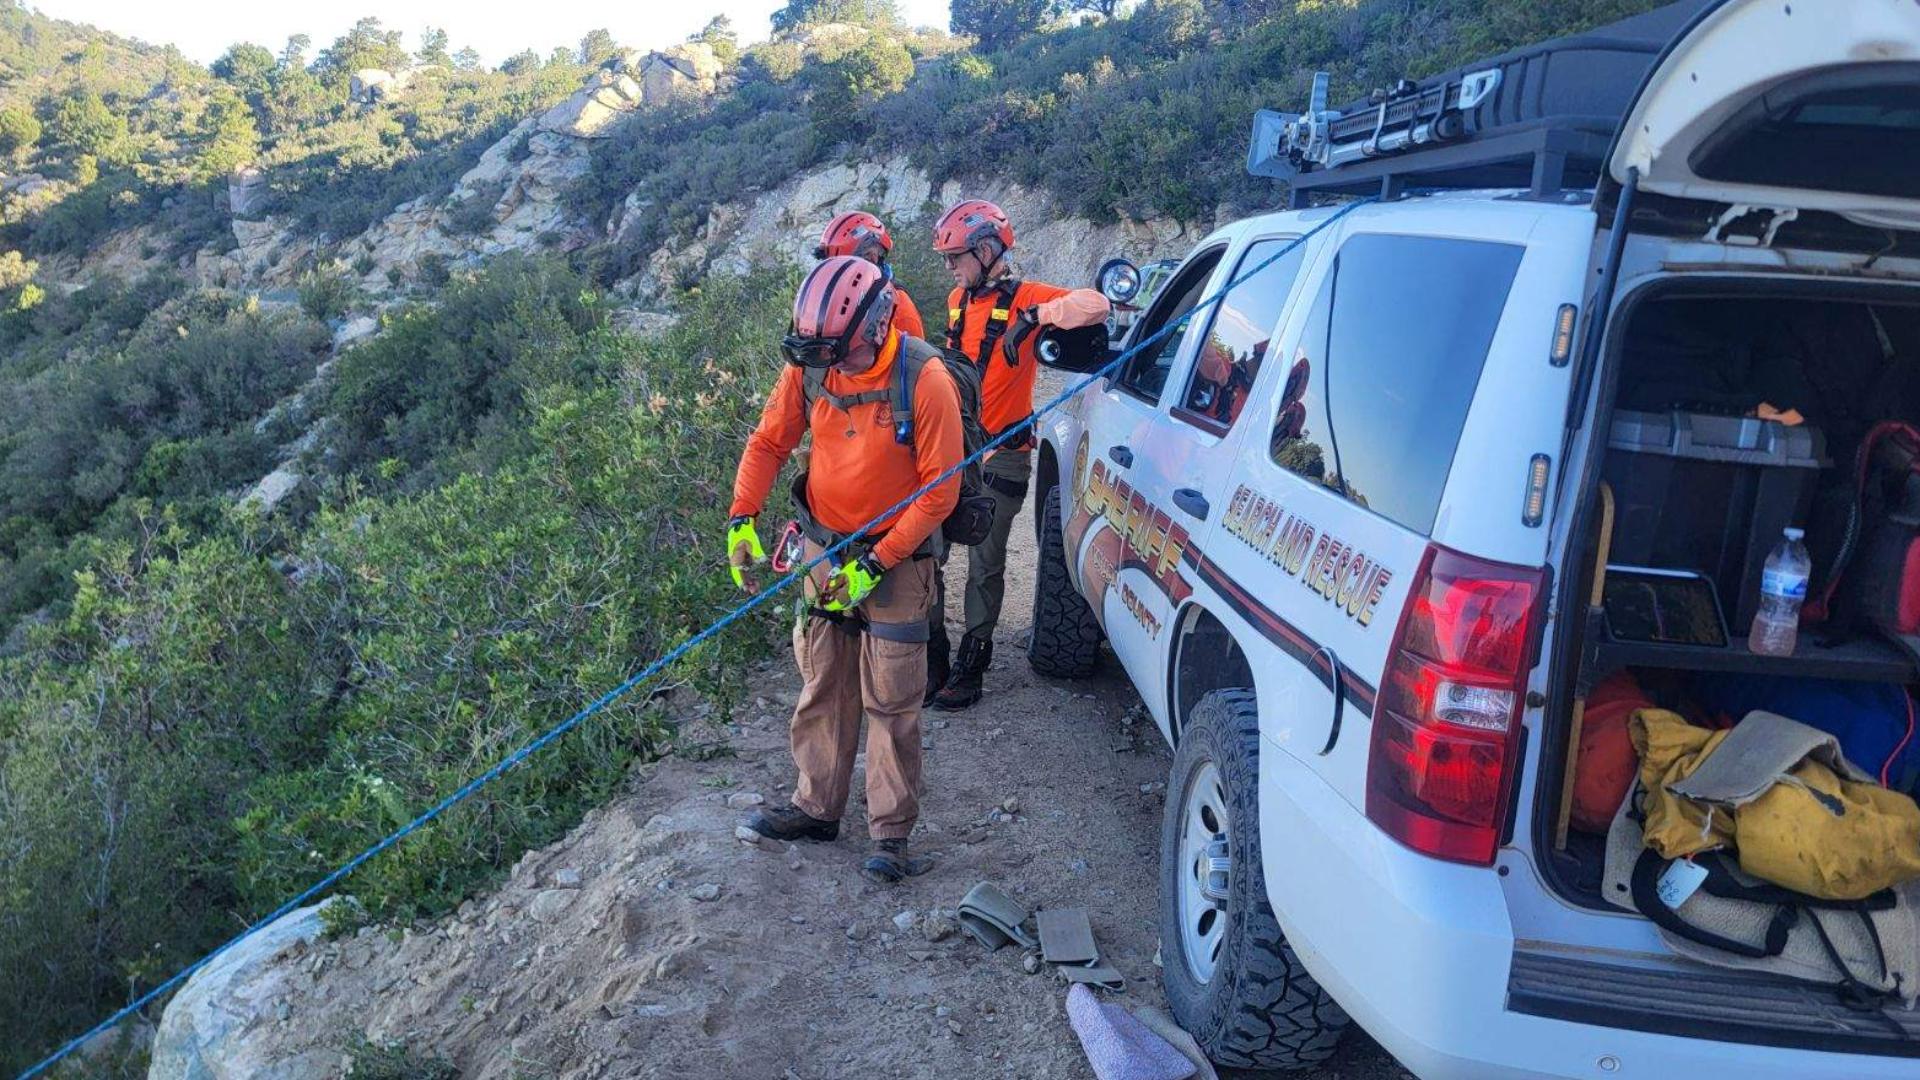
[972,517]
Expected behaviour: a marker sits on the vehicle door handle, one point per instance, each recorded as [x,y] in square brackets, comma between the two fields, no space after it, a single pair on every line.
[1192,502]
[1121,455]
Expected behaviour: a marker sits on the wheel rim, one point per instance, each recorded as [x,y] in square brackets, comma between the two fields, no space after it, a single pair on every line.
[1206,867]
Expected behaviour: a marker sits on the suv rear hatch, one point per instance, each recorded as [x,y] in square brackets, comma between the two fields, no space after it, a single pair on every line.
[1765,123]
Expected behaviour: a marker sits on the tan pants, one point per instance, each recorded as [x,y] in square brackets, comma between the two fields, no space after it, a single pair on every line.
[844,671]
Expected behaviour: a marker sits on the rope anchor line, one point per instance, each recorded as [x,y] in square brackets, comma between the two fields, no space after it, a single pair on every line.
[673,655]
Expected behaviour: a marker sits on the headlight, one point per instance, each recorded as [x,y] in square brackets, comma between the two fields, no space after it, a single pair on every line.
[1119,280]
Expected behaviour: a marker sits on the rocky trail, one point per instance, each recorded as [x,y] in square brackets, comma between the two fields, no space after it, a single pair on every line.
[652,942]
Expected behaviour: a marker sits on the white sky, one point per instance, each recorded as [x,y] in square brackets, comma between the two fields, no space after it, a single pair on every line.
[204,28]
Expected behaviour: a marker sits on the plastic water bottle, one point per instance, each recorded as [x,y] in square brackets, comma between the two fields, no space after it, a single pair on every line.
[1783,588]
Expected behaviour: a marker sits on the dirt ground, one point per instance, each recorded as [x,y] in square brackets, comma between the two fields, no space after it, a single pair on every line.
[652,942]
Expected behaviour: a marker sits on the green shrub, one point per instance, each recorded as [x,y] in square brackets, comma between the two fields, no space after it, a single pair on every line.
[441,372]
[389,1060]
[19,131]
[327,294]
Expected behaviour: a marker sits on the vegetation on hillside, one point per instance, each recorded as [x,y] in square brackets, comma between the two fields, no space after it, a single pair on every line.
[1143,116]
[221,717]
[117,401]
[123,135]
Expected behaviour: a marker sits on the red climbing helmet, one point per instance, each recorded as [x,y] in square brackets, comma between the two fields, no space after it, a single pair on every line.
[854,233]
[841,297]
[968,222]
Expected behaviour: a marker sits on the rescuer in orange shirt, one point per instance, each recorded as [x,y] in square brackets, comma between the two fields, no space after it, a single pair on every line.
[860,234]
[992,318]
[862,644]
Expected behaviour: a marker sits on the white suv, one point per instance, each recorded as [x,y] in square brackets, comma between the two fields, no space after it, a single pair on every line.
[1337,530]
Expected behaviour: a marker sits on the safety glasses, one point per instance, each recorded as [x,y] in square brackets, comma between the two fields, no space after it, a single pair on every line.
[813,352]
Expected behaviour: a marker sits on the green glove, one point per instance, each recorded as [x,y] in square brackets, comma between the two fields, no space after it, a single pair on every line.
[852,583]
[743,551]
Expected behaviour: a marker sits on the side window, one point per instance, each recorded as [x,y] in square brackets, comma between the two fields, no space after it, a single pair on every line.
[1240,329]
[1301,442]
[1388,366]
[1146,373]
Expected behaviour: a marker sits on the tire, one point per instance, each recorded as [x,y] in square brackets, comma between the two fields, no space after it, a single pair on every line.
[1247,1000]
[1065,643]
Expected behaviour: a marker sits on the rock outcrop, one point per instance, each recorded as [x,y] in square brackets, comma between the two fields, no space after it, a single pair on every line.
[692,69]
[246,189]
[520,184]
[784,223]
[370,85]
[592,112]
[210,1030]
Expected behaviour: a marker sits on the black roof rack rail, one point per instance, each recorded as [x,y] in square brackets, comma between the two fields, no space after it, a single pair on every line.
[1540,118]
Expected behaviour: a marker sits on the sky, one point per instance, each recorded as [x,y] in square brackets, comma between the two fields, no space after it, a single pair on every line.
[204,28]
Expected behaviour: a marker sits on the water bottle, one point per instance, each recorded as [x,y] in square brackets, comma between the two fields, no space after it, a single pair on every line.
[1783,588]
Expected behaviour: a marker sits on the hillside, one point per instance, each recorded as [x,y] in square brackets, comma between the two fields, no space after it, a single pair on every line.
[354,429]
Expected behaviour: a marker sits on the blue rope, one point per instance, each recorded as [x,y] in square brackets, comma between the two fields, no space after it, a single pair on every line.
[672,656]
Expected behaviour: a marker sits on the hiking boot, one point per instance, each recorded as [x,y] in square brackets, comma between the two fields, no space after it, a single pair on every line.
[791,823]
[889,863]
[939,663]
[967,683]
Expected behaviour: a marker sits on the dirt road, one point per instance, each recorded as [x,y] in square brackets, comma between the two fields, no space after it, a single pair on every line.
[654,943]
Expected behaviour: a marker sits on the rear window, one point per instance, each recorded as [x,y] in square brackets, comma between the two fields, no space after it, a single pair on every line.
[1855,130]
[1377,391]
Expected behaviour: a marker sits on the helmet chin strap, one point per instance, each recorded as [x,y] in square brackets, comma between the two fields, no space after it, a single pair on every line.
[991,271]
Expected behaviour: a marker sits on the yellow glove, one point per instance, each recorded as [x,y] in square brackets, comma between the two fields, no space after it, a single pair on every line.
[743,551]
[851,583]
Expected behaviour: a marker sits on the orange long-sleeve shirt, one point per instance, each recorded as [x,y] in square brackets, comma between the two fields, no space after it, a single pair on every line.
[858,471]
[906,314]
[1006,391]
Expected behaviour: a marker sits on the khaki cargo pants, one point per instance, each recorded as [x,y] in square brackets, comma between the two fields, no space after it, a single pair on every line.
[882,671]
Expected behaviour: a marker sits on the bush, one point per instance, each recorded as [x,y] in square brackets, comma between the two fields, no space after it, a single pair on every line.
[441,373]
[327,294]
[19,131]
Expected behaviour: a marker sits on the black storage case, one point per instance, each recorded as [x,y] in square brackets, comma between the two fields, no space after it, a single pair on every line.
[1693,491]
[1546,126]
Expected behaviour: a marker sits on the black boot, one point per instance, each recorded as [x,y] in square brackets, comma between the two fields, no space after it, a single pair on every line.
[889,863]
[791,823]
[939,662]
[964,686]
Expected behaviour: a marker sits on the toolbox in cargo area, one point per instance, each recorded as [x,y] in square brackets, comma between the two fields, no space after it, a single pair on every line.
[1695,491]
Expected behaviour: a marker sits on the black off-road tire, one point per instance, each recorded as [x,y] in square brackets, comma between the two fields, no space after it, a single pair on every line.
[1065,643]
[1260,1009]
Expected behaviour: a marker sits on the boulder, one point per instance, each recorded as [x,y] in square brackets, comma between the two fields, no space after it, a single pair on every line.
[369,85]
[246,187]
[25,184]
[589,114]
[254,234]
[272,488]
[355,330]
[686,70]
[203,1033]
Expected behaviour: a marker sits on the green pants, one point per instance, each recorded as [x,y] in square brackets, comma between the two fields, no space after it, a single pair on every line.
[1008,474]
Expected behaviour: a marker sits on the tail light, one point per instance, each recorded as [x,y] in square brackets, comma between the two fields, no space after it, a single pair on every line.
[1446,731]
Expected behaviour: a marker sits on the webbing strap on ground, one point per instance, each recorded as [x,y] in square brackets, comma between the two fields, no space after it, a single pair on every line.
[673,655]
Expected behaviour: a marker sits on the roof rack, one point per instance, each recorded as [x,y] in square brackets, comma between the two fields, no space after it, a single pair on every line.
[1540,118]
